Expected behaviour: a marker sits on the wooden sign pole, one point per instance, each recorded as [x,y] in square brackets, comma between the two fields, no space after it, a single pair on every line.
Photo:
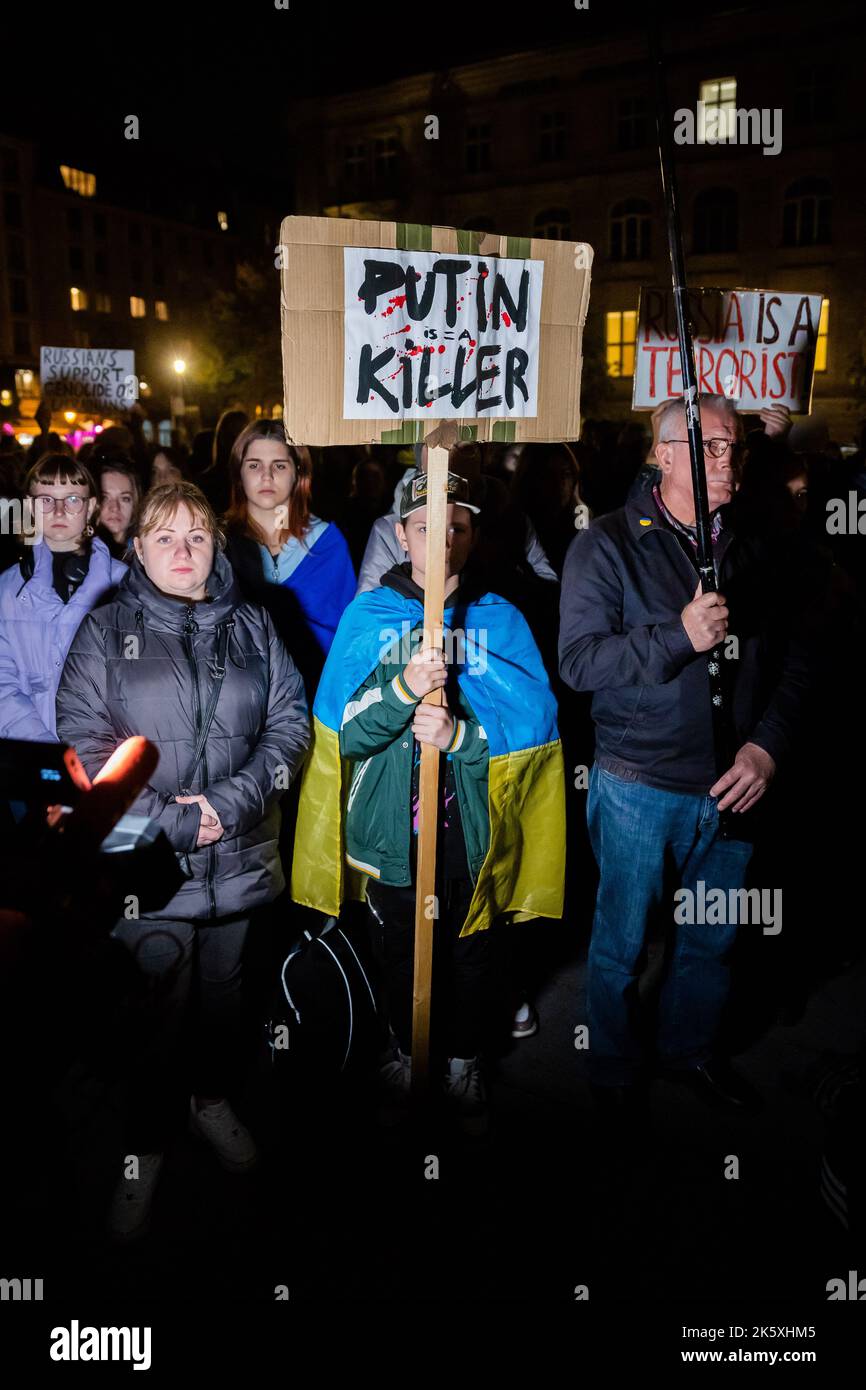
[426,904]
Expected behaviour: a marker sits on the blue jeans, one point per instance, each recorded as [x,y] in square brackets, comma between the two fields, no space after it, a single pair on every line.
[648,842]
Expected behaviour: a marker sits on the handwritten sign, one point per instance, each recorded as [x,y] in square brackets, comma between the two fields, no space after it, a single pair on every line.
[361,301]
[442,336]
[88,380]
[757,347]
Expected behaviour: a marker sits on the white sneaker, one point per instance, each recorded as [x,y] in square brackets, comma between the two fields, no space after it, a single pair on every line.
[395,1083]
[524,1024]
[220,1127]
[129,1213]
[466,1095]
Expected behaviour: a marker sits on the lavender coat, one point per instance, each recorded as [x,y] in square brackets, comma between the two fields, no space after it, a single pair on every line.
[36,632]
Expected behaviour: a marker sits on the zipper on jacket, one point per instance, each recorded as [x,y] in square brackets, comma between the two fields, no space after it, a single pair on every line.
[189,627]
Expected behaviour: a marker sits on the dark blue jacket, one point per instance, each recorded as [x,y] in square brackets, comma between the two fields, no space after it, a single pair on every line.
[624,587]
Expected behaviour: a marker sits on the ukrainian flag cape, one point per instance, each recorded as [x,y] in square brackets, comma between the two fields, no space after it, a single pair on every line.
[502,676]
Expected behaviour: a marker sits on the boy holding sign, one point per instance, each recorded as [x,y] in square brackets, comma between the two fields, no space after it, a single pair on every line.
[501,807]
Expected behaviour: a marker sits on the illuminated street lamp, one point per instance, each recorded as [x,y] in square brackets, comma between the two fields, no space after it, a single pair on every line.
[178,402]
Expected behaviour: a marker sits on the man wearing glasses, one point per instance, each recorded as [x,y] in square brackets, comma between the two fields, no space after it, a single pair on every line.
[635,630]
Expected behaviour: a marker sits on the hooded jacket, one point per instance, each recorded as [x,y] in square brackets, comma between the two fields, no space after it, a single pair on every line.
[36,628]
[144,664]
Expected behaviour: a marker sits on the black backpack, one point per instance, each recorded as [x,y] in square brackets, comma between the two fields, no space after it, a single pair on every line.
[326,1020]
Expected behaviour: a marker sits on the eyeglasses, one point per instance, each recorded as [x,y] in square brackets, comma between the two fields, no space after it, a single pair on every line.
[72,504]
[713,448]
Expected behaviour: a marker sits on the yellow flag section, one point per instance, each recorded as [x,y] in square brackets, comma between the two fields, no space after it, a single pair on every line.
[524,870]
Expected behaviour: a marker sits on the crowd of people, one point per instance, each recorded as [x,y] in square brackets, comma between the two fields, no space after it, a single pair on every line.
[199,598]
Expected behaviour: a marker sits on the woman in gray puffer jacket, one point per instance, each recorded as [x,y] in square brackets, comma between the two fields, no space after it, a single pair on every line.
[177,652]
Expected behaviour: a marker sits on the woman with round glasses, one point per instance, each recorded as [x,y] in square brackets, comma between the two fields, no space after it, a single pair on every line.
[63,572]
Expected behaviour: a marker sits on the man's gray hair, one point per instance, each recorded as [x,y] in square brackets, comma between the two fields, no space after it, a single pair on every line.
[673,416]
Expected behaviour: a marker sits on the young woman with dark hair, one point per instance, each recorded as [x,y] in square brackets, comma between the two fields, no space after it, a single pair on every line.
[297,566]
[62,573]
[119,502]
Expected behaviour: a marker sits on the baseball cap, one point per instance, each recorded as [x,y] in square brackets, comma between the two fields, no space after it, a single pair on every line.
[415,494]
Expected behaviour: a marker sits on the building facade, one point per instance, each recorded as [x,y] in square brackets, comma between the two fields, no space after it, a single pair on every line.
[560,142]
[80,271]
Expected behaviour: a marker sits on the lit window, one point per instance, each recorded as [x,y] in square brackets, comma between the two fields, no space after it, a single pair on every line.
[277,413]
[103,302]
[164,428]
[161,309]
[806,213]
[136,307]
[553,223]
[823,334]
[223,220]
[78,182]
[77,299]
[552,135]
[716,121]
[478,147]
[630,230]
[620,333]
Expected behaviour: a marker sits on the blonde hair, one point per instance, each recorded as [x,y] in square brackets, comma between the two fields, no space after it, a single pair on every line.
[162,502]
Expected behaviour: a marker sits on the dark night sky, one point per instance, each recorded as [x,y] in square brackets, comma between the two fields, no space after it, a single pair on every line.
[211,84]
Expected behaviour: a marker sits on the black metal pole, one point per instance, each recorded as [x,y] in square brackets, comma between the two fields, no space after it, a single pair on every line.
[722,742]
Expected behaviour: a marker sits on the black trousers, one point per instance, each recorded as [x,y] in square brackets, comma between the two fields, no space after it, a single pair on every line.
[189,991]
[461,967]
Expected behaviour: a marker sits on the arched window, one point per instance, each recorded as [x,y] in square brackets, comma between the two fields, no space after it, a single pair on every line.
[715,221]
[806,213]
[630,230]
[553,223]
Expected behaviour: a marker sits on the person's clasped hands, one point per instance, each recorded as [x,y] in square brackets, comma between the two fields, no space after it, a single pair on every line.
[426,671]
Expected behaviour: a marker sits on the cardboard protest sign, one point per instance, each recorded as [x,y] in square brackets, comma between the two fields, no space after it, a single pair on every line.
[757,347]
[388,327]
[89,380]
